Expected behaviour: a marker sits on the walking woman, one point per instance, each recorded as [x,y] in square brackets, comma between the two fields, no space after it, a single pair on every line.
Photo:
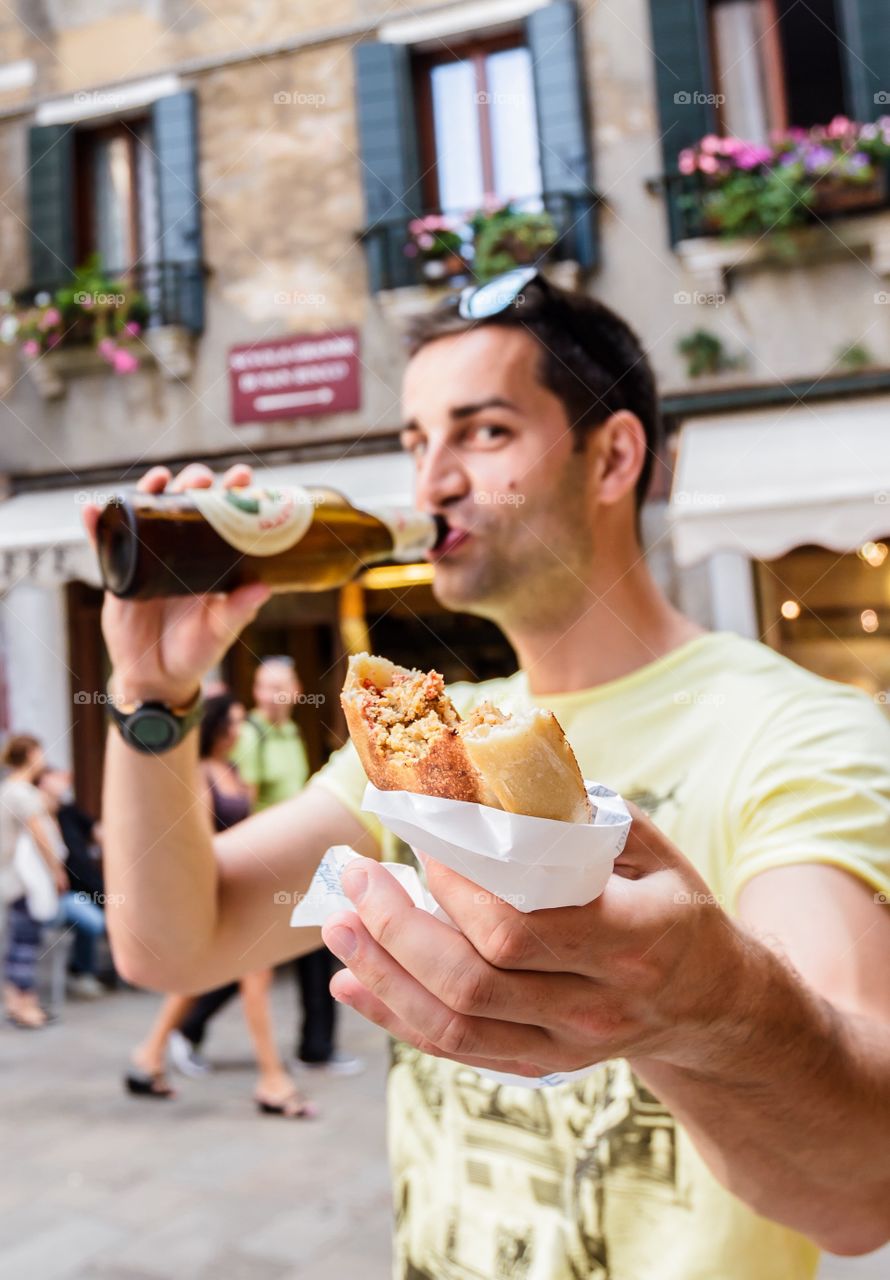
[32,877]
[228,801]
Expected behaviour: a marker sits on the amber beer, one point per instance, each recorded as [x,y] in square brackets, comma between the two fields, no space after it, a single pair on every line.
[204,540]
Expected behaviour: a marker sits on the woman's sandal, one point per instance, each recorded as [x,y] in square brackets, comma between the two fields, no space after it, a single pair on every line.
[292,1107]
[26,1023]
[145,1084]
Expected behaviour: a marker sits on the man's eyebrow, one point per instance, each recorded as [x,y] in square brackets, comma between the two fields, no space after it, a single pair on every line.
[495,402]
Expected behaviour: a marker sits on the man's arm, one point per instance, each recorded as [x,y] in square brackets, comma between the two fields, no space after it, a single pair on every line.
[789,1111]
[192,910]
[55,867]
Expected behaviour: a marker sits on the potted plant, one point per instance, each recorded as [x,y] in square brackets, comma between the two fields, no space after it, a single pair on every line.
[436,241]
[749,188]
[505,237]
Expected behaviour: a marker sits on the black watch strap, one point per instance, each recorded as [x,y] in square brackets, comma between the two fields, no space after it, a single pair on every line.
[154,727]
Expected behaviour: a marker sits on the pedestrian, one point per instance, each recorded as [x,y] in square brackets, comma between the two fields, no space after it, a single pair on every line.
[227,799]
[78,909]
[271,758]
[726,994]
[32,875]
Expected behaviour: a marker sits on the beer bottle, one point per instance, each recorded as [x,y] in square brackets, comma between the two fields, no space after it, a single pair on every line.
[205,540]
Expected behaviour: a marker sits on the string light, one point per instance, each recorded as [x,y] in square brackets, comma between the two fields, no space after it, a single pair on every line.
[873,553]
[869,620]
[790,610]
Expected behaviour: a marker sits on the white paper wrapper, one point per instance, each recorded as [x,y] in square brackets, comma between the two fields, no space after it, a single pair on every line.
[530,863]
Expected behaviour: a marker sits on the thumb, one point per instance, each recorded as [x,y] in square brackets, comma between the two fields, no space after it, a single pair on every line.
[647,849]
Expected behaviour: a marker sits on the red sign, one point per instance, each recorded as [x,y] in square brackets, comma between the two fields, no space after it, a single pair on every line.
[295,377]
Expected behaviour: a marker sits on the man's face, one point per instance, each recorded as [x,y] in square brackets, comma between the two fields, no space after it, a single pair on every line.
[494,455]
[275,689]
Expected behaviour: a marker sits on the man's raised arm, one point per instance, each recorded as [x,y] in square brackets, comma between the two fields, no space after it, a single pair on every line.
[190,910]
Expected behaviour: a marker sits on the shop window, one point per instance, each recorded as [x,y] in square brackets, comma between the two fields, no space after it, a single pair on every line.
[830,613]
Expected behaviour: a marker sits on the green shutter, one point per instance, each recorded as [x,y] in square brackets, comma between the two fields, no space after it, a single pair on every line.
[385,113]
[682,75]
[865,48]
[554,42]
[50,203]
[175,139]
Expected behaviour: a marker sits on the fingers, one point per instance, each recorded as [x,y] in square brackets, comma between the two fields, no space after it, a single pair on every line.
[240,607]
[155,480]
[238,476]
[91,515]
[453,1034]
[346,988]
[194,476]
[446,963]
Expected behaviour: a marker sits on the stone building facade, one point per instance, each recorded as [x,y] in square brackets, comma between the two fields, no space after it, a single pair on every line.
[259,144]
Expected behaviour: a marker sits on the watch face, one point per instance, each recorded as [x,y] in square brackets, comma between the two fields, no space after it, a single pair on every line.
[153,730]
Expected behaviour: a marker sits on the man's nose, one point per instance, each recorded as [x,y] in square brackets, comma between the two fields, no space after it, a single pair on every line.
[441,478]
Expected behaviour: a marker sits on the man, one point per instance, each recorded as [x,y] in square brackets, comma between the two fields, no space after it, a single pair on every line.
[271,758]
[730,981]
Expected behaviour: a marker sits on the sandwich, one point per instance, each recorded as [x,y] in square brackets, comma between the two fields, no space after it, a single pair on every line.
[410,737]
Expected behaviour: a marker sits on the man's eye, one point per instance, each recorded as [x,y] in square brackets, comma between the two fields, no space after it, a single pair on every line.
[415,446]
[490,433]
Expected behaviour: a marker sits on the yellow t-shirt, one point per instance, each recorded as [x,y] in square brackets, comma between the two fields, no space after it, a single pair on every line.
[747,762]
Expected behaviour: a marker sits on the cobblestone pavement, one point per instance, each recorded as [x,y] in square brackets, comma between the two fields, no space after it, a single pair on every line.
[95,1185]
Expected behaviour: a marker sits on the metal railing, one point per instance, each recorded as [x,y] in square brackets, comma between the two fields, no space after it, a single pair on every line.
[170,291]
[573,213]
[684,196]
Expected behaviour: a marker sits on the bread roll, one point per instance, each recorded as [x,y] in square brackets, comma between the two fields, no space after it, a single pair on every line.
[410,737]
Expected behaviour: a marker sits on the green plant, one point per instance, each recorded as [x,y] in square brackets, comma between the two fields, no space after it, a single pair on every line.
[854,357]
[434,238]
[506,237]
[705,354]
[110,312]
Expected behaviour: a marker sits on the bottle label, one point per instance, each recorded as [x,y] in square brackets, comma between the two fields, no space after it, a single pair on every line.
[255,521]
[413,533]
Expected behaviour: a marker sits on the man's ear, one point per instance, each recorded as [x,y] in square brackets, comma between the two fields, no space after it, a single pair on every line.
[621,448]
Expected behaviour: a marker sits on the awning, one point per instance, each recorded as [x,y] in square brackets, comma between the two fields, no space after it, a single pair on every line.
[43,542]
[763,482]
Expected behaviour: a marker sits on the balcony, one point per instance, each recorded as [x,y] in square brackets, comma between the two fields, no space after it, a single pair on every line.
[391,266]
[72,326]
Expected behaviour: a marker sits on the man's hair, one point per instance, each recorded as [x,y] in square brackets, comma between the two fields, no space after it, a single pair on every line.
[18,748]
[595,374]
[214,722]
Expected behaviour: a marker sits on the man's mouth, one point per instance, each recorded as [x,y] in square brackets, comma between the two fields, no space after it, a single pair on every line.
[451,540]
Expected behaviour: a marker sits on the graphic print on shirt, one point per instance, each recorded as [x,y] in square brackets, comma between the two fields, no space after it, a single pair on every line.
[496,1182]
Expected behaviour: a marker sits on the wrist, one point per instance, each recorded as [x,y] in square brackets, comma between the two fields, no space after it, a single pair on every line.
[130,691]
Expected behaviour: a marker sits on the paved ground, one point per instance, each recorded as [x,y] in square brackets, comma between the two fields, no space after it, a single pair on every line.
[95,1185]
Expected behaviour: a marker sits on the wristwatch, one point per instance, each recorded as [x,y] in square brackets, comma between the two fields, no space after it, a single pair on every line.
[153,727]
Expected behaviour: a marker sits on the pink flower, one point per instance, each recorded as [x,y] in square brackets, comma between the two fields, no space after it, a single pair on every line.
[86,301]
[50,318]
[31,347]
[124,362]
[687,161]
[711,144]
[709,164]
[839,127]
[133,328]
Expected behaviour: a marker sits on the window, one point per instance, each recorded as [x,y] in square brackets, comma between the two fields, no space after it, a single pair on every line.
[478,126]
[777,63]
[116,196]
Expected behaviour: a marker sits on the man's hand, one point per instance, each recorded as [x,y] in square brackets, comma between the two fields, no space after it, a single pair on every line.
[647,969]
[60,878]
[163,648]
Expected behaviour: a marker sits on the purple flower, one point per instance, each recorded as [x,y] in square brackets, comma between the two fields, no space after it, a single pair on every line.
[133,328]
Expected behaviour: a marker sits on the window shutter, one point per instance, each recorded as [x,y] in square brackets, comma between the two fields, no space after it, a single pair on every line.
[682,82]
[390,168]
[865,48]
[50,203]
[563,130]
[175,136]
